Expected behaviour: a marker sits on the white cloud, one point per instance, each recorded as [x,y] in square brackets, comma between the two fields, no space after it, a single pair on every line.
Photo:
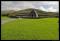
[28,5]
[42,8]
[43,5]
[50,2]
[51,9]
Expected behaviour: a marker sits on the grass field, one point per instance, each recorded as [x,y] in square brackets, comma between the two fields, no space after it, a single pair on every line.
[31,29]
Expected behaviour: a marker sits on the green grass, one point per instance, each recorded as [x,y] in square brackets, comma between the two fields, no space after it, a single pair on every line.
[4,18]
[31,29]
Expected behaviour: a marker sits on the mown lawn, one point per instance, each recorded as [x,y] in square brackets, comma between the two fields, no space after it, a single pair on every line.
[31,29]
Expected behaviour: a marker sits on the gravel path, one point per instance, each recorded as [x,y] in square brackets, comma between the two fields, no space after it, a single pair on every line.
[7,20]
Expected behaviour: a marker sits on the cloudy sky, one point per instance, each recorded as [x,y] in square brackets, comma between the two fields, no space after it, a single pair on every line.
[49,6]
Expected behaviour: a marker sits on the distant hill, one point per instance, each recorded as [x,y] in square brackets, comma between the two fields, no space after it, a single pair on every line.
[27,11]
[6,12]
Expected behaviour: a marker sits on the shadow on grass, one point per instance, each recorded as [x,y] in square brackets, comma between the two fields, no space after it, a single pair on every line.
[14,17]
[27,17]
